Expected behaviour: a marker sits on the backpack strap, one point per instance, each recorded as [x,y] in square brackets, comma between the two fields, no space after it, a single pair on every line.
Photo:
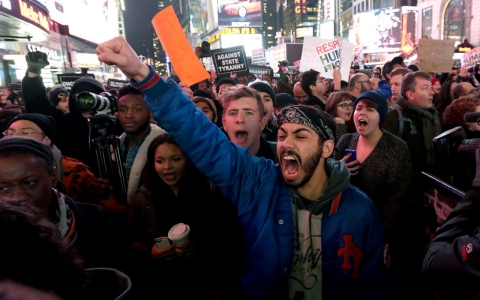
[401,119]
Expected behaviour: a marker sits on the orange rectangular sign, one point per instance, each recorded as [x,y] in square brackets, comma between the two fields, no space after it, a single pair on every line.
[187,65]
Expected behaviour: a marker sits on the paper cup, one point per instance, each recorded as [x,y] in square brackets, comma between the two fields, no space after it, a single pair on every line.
[178,234]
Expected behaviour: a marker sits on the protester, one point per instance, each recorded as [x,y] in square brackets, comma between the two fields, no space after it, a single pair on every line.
[269,102]
[299,94]
[59,98]
[451,263]
[351,261]
[313,85]
[72,132]
[173,191]
[33,255]
[244,121]
[340,107]
[79,183]
[28,174]
[207,107]
[283,100]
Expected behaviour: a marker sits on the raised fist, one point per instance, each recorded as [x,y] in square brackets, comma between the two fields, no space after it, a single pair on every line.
[36,61]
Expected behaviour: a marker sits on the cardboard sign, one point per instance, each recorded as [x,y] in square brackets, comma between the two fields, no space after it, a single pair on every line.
[435,55]
[471,58]
[187,65]
[116,83]
[324,55]
[230,60]
[67,79]
[259,71]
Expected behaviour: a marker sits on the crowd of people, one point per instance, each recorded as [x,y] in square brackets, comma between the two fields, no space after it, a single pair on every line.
[298,187]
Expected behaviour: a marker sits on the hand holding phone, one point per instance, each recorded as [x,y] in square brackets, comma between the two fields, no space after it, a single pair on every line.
[353,156]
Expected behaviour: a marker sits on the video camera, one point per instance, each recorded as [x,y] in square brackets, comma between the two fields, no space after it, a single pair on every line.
[454,141]
[101,104]
[282,66]
[102,141]
[475,71]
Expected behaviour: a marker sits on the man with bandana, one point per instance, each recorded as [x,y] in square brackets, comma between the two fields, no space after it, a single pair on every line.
[28,175]
[309,234]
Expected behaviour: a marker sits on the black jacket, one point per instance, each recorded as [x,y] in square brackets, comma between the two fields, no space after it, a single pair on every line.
[72,131]
[312,100]
[452,264]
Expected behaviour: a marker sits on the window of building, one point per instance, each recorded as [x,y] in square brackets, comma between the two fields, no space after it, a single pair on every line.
[427,22]
[454,21]
[354,10]
[383,3]
[363,6]
[345,5]
[366,4]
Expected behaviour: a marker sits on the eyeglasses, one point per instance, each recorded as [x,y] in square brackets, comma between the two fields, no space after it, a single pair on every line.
[63,95]
[346,105]
[22,132]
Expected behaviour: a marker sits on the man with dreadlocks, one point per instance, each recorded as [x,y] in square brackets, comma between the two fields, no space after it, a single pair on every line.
[309,234]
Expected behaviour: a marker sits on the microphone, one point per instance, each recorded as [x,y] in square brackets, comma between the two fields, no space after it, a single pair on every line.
[471,117]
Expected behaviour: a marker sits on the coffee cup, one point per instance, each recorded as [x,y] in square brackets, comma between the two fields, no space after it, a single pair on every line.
[178,234]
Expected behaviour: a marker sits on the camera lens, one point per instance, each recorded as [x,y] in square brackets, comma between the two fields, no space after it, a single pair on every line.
[85,100]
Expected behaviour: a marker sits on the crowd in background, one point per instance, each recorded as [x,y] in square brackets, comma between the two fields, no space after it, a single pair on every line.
[94,246]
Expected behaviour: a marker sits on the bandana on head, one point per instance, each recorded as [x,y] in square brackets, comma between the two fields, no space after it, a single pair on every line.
[307,116]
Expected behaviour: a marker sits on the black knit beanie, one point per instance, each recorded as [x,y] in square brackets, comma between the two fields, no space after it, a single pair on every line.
[46,123]
[261,86]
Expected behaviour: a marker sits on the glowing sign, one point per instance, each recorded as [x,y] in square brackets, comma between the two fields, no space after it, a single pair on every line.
[34,15]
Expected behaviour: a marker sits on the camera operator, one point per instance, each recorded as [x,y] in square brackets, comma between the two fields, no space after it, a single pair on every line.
[72,127]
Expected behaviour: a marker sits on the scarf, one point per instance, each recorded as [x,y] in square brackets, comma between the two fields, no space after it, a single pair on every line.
[67,223]
[430,125]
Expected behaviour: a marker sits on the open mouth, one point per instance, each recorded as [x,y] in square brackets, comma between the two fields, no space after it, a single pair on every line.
[362,123]
[170,176]
[290,167]
[241,136]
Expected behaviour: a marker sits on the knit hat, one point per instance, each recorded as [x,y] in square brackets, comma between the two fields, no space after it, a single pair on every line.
[54,98]
[284,100]
[414,68]
[378,99]
[434,80]
[210,103]
[262,86]
[21,143]
[202,94]
[46,123]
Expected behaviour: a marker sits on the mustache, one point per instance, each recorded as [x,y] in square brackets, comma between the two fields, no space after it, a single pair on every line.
[292,153]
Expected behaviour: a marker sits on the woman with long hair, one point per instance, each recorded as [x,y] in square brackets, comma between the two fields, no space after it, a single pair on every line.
[446,94]
[173,191]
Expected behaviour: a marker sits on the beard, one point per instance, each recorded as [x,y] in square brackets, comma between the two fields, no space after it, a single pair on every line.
[311,163]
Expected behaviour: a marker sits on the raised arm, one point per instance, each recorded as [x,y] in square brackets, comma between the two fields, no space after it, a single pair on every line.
[33,89]
[224,163]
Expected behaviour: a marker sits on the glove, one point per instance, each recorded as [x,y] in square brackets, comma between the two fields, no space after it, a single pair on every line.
[476,180]
[36,61]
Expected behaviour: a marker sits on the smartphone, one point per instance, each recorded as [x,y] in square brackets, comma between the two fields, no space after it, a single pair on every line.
[162,242]
[353,157]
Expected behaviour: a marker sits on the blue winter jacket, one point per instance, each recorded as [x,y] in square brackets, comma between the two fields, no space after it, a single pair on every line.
[385,88]
[265,207]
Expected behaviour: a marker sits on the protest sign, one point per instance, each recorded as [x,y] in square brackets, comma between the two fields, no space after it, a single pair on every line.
[259,71]
[230,60]
[173,39]
[68,79]
[324,55]
[471,58]
[116,83]
[435,55]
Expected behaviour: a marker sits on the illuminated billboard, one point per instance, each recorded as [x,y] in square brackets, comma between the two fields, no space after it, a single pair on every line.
[240,13]
[377,30]
[94,21]
[248,41]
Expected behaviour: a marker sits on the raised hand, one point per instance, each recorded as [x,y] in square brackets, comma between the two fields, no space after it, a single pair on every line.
[118,52]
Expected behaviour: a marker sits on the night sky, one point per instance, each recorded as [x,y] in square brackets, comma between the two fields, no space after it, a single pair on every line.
[138,26]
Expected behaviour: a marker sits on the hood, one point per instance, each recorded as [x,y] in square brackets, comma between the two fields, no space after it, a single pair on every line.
[84,84]
[384,88]
[339,179]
